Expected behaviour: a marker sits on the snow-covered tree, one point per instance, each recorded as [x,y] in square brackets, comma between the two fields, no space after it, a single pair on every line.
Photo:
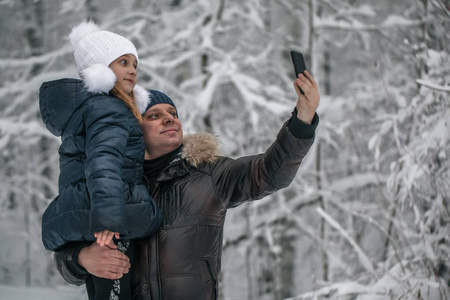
[368,213]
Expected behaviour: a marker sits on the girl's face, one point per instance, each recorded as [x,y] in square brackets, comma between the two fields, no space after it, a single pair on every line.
[125,69]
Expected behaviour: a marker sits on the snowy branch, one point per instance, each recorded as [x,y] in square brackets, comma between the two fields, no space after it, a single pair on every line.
[14,63]
[364,259]
[433,85]
[356,26]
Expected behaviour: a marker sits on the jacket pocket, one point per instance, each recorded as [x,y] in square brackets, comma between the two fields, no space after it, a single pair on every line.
[209,278]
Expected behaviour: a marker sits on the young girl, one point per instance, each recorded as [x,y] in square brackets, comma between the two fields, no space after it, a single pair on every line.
[101,194]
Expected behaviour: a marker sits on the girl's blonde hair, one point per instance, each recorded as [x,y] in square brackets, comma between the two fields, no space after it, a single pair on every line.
[129,101]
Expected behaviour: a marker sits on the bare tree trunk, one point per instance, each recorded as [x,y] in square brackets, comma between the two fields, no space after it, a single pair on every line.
[322,229]
[205,58]
[27,213]
[248,251]
[33,33]
[423,39]
[420,70]
[287,261]
[311,11]
[327,70]
[32,30]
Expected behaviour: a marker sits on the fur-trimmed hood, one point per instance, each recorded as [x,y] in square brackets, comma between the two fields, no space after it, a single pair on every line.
[200,148]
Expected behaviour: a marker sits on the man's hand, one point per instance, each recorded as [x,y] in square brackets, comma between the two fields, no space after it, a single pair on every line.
[105,262]
[306,104]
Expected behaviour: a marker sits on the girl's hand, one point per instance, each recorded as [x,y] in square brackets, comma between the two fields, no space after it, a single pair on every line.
[105,237]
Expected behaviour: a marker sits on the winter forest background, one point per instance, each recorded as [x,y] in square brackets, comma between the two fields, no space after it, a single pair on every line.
[367,217]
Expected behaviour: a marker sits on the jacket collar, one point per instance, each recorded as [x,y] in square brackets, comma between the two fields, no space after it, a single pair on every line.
[197,148]
[200,148]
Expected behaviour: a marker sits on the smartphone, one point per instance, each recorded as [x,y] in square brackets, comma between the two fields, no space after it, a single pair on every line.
[299,64]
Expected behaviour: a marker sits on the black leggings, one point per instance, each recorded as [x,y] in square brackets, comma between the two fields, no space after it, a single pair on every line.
[106,289]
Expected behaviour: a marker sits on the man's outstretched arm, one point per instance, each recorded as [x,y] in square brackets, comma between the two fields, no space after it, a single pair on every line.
[256,176]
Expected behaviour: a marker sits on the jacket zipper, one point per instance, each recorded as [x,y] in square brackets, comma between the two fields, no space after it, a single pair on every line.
[158,271]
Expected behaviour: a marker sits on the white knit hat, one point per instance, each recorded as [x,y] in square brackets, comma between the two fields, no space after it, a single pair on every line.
[95,50]
[95,46]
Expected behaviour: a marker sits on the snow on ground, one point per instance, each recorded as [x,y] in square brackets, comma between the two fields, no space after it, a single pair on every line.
[39,293]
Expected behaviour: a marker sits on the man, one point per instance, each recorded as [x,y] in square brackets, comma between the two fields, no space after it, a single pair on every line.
[194,187]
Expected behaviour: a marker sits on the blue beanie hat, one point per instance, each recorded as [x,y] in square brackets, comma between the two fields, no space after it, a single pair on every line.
[157,97]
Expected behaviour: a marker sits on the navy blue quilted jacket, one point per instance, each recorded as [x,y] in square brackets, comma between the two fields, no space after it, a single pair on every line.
[101,167]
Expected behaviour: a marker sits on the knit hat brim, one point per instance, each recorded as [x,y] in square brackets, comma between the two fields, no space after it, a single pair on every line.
[155,97]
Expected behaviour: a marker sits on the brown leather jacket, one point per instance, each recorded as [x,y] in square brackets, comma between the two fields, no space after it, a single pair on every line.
[182,260]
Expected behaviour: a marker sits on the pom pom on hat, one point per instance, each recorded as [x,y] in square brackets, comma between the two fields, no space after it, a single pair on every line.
[81,31]
[141,98]
[98,78]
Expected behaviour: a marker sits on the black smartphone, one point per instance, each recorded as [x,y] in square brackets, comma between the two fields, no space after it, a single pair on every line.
[299,64]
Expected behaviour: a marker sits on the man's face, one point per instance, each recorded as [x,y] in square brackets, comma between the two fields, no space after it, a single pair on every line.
[162,130]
